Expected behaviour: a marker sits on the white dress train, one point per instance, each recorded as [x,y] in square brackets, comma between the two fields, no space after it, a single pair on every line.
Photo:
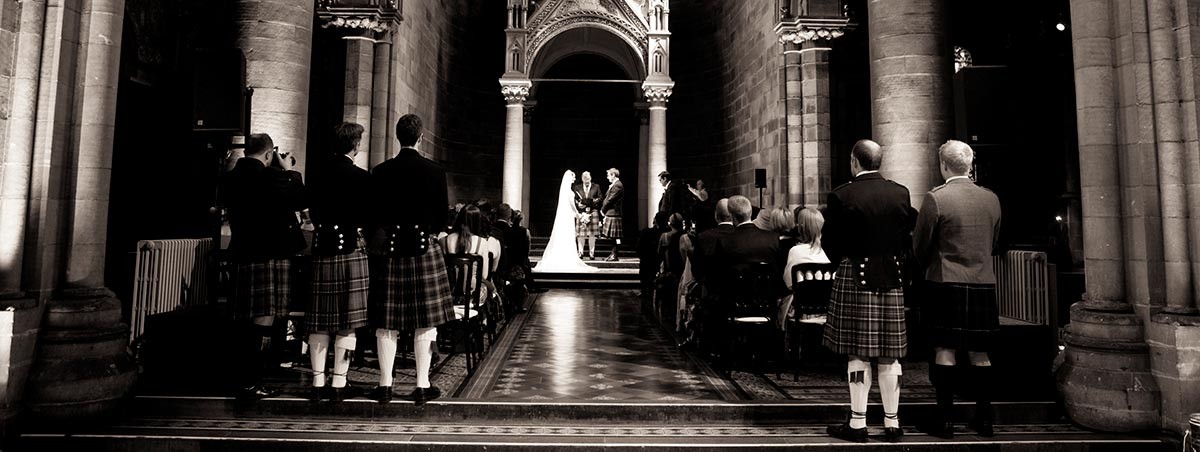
[561,254]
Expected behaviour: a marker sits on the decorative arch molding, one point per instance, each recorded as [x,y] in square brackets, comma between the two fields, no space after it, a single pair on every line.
[536,46]
[618,17]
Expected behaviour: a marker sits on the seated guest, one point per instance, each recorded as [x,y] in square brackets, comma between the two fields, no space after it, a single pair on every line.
[667,283]
[648,257]
[783,222]
[514,260]
[747,244]
[807,250]
[467,239]
[522,252]
[706,242]
[762,219]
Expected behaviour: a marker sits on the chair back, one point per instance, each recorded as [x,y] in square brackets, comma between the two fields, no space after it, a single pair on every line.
[811,286]
[750,291]
[466,277]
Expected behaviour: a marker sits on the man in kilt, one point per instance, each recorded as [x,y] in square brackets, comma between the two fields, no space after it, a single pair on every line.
[587,224]
[412,290]
[263,194]
[868,230]
[954,240]
[340,282]
[611,207]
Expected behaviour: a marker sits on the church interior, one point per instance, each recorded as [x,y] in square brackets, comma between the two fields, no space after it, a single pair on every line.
[120,121]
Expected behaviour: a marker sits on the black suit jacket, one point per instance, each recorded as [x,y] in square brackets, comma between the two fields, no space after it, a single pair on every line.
[613,199]
[676,199]
[745,245]
[409,190]
[337,193]
[516,246]
[868,216]
[262,203]
[589,199]
[705,247]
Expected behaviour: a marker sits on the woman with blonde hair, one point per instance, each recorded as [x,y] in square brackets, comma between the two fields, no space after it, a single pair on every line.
[807,250]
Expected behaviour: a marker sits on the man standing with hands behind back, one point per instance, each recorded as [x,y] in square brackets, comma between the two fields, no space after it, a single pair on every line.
[955,238]
[587,225]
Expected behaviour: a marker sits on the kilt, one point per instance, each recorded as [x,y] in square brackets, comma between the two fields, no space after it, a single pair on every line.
[262,288]
[411,292]
[340,285]
[591,228]
[611,227]
[864,323]
[962,316]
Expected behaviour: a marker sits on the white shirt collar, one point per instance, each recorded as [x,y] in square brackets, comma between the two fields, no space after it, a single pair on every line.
[725,222]
[957,177]
[860,173]
[746,222]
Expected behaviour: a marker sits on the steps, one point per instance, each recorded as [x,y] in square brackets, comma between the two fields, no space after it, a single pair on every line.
[622,274]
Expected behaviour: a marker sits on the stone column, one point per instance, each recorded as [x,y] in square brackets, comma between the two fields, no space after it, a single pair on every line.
[656,144]
[817,138]
[1105,377]
[17,153]
[276,36]
[381,118]
[910,89]
[643,169]
[360,93]
[82,368]
[806,73]
[514,92]
[526,130]
[794,111]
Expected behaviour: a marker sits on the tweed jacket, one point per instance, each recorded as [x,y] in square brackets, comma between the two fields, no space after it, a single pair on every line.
[956,233]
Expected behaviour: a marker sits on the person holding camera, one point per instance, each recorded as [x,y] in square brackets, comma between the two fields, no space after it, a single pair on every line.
[412,293]
[263,194]
[340,273]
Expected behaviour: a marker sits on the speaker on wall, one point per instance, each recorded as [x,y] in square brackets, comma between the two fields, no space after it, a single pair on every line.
[760,178]
[219,91]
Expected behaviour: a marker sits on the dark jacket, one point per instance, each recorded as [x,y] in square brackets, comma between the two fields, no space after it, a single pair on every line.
[745,245]
[515,246]
[868,217]
[956,233]
[705,247]
[337,193]
[589,199]
[409,190]
[613,200]
[677,199]
[262,203]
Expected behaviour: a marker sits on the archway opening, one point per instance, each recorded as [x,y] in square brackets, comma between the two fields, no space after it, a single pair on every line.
[583,126]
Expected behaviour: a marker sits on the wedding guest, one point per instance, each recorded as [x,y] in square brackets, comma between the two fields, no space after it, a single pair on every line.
[648,257]
[263,194]
[706,242]
[612,208]
[807,250]
[340,279]
[466,240]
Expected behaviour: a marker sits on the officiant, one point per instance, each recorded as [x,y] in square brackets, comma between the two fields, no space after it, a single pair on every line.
[587,223]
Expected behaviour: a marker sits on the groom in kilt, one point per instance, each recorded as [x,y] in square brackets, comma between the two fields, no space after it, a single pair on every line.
[340,280]
[412,290]
[263,194]
[868,229]
[587,223]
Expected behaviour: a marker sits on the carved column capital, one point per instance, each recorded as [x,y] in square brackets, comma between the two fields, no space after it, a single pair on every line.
[515,91]
[371,16]
[657,94]
[804,29]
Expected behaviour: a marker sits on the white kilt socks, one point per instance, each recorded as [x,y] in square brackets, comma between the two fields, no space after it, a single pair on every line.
[889,391]
[385,346]
[423,340]
[858,373]
[318,347]
[342,347]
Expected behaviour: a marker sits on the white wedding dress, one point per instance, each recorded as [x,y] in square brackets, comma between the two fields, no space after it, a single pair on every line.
[561,255]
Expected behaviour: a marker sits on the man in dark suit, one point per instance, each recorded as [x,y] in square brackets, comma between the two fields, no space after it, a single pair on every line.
[868,226]
[706,242]
[587,224]
[955,239]
[676,197]
[263,194]
[612,206]
[746,244]
[412,291]
[514,260]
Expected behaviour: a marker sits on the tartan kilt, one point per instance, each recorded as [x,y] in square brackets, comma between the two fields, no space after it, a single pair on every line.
[864,323]
[611,228]
[962,316]
[340,285]
[262,288]
[411,292]
[591,228]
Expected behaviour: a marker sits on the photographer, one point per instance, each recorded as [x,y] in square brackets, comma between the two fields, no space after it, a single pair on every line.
[263,194]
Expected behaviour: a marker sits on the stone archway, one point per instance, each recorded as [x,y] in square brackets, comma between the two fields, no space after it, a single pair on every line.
[537,37]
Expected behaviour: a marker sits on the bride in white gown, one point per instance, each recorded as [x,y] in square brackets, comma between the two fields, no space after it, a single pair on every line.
[561,254]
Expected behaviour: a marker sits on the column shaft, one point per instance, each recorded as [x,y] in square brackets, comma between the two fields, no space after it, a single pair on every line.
[276,36]
[817,138]
[359,95]
[656,156]
[910,89]
[381,118]
[794,114]
[514,154]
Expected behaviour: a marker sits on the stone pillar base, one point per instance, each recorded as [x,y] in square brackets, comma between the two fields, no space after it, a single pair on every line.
[83,368]
[1174,342]
[20,318]
[1105,378]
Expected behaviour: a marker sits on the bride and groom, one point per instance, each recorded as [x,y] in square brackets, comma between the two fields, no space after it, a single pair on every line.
[577,210]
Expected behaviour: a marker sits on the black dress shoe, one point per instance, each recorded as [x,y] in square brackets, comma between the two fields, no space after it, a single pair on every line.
[258,392]
[845,432]
[336,395]
[892,434]
[940,429]
[315,394]
[421,395]
[382,394]
[982,427]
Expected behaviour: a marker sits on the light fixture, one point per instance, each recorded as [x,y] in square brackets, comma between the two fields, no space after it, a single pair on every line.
[1058,218]
[1060,26]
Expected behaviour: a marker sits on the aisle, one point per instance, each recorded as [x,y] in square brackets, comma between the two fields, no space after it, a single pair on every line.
[592,345]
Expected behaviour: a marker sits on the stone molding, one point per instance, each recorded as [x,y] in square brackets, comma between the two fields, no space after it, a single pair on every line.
[515,93]
[366,15]
[556,16]
[657,93]
[802,29]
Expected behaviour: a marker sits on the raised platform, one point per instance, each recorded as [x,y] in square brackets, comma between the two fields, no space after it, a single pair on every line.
[622,274]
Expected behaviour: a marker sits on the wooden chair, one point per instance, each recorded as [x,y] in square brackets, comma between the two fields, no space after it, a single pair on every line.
[466,284]
[811,287]
[750,308]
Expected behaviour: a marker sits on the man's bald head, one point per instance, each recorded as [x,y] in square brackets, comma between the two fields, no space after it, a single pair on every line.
[722,211]
[868,154]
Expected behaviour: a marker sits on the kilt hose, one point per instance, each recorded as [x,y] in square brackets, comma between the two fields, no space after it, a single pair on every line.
[411,292]
[962,316]
[340,285]
[262,288]
[591,228]
[611,228]
[864,323]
